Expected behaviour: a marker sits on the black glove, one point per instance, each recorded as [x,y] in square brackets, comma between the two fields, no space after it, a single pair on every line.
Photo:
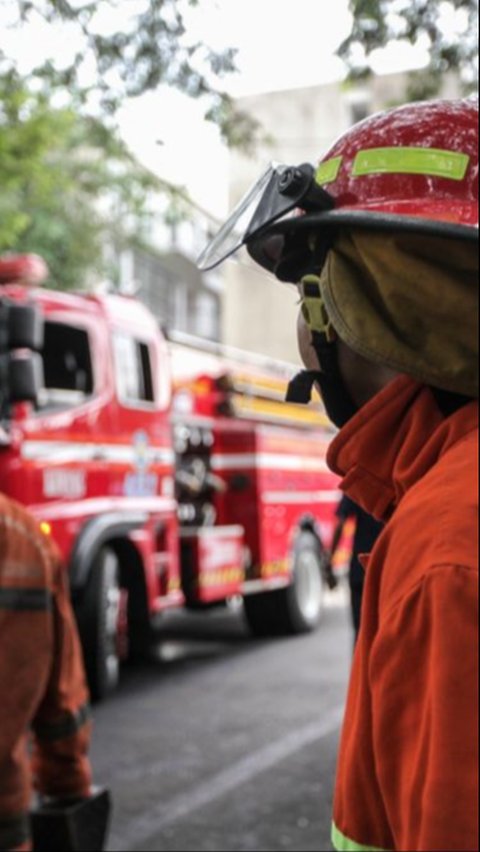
[71,824]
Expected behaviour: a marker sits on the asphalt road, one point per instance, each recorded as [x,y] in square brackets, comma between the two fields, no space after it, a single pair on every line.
[223,742]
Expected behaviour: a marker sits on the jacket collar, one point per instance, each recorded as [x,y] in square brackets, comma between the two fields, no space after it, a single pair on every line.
[393,442]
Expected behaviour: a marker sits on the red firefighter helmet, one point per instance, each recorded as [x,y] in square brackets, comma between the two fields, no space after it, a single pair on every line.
[419,161]
[412,168]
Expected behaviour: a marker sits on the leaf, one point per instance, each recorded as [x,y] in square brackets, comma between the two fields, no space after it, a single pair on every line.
[378,22]
[55,166]
[151,46]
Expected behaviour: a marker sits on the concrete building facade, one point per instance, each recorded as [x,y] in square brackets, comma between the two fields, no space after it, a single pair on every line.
[161,270]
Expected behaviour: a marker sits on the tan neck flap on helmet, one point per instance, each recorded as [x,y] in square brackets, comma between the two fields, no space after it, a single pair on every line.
[409,302]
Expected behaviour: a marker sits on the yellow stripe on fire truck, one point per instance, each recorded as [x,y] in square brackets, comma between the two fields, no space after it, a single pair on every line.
[225,577]
[273,569]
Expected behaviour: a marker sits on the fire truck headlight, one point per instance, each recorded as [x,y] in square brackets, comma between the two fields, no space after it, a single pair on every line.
[181,438]
[196,438]
[207,438]
[186,513]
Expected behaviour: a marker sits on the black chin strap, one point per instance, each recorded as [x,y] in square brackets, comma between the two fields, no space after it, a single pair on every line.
[301,386]
[337,401]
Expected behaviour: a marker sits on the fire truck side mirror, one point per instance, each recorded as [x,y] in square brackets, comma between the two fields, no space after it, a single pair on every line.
[25,377]
[21,368]
[25,327]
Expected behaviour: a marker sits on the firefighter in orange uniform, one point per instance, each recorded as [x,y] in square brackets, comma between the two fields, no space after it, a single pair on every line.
[42,680]
[385,254]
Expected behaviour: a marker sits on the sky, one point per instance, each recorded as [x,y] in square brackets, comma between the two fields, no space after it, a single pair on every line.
[282,44]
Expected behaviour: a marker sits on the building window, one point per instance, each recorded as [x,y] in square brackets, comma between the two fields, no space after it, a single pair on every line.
[155,286]
[359,111]
[173,290]
[206,318]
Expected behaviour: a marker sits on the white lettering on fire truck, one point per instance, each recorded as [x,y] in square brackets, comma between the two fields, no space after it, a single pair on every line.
[217,554]
[64,483]
[140,485]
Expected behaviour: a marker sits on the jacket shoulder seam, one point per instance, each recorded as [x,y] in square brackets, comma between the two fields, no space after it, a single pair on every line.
[437,567]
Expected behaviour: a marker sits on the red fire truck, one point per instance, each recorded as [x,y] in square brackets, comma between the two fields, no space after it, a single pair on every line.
[169,475]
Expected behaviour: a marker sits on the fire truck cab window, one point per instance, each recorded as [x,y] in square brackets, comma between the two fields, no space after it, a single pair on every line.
[67,366]
[133,370]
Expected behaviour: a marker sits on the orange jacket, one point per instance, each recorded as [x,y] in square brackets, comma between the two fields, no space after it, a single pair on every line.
[408,762]
[42,683]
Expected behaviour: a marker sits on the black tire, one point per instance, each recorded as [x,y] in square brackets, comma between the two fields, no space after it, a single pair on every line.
[97,615]
[299,607]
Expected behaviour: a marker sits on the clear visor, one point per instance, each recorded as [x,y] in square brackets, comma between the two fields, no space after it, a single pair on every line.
[233,233]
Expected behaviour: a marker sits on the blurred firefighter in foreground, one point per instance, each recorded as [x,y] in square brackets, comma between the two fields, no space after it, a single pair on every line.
[44,706]
[382,242]
[41,677]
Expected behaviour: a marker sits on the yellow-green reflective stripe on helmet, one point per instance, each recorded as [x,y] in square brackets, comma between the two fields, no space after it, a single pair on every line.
[328,172]
[343,844]
[415,161]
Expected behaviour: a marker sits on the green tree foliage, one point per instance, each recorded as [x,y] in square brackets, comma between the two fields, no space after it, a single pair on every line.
[124,48]
[448,28]
[68,183]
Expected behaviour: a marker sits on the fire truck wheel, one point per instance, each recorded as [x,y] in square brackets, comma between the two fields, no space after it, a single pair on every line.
[297,608]
[97,615]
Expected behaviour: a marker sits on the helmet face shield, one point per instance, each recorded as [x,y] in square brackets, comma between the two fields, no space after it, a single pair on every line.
[280,191]
[232,234]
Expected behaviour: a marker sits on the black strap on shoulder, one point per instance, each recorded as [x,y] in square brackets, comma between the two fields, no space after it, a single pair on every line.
[31,600]
[67,726]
